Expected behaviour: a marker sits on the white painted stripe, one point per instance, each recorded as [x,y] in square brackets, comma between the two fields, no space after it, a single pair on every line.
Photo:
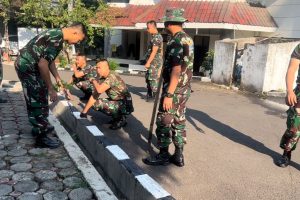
[91,175]
[152,186]
[77,115]
[65,103]
[94,130]
[117,152]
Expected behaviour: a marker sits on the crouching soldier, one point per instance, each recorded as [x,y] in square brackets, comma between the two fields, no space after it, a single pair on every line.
[80,78]
[119,102]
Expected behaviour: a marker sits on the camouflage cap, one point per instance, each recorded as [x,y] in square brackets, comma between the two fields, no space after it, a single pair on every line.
[174,15]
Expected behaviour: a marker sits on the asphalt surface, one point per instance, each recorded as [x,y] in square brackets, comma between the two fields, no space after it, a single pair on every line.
[233,140]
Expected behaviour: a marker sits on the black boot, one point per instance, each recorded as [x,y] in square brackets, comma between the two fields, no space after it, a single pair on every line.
[177,158]
[162,158]
[285,159]
[118,123]
[42,141]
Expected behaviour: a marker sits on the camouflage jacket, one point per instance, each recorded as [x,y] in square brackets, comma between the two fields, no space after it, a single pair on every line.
[296,54]
[46,45]
[118,89]
[179,51]
[156,40]
[89,71]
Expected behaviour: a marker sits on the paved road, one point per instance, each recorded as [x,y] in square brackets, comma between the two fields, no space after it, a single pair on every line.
[232,143]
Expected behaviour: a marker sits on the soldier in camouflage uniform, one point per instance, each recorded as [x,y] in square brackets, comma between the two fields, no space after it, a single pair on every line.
[33,66]
[154,60]
[118,104]
[1,71]
[291,136]
[82,73]
[177,75]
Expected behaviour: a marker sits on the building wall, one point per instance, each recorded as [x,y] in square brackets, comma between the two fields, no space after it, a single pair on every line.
[286,15]
[223,62]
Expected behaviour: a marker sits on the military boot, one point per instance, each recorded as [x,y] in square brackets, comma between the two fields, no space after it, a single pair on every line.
[118,123]
[162,158]
[43,141]
[177,158]
[285,159]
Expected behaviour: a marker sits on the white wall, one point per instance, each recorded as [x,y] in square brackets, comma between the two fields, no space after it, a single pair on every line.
[278,60]
[286,15]
[25,35]
[254,64]
[265,66]
[223,62]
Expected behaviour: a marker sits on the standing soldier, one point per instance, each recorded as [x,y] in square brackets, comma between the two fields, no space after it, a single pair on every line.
[1,71]
[33,66]
[177,75]
[118,104]
[291,136]
[154,60]
[82,72]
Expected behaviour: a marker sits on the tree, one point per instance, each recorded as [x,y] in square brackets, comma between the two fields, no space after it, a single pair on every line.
[5,13]
[59,13]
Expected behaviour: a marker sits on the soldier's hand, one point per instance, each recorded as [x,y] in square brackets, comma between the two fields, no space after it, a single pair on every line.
[52,95]
[291,98]
[168,103]
[83,115]
[147,65]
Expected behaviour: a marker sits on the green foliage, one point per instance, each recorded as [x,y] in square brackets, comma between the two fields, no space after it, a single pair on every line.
[113,65]
[64,84]
[54,14]
[208,61]
[62,61]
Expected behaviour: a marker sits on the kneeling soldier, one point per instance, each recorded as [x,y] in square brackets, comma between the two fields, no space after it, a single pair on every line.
[82,72]
[119,102]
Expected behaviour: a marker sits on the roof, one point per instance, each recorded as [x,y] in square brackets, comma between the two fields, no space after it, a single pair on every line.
[199,12]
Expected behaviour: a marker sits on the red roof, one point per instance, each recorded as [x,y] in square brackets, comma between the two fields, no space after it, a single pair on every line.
[199,12]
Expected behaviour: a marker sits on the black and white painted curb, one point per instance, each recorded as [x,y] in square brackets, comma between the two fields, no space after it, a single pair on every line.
[127,178]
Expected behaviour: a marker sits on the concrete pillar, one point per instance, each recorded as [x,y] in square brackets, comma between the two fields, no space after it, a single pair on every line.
[142,44]
[107,45]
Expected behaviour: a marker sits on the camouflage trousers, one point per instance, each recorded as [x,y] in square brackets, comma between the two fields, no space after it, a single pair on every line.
[36,97]
[171,124]
[110,107]
[291,136]
[152,77]
[84,85]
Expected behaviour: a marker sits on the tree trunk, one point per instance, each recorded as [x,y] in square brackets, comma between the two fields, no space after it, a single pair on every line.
[6,39]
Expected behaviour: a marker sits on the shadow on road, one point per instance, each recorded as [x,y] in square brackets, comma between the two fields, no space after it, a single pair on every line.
[234,135]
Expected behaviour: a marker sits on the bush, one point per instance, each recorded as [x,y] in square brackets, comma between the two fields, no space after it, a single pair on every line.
[63,62]
[208,61]
[113,65]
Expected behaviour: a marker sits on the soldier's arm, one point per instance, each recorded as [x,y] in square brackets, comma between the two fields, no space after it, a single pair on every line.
[290,78]
[45,74]
[78,74]
[152,55]
[89,104]
[100,88]
[174,79]
[54,72]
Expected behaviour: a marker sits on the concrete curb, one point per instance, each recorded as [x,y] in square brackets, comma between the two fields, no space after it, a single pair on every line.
[96,182]
[128,178]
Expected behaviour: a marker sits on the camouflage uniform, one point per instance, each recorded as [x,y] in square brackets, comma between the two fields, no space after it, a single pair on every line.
[83,83]
[291,136]
[179,51]
[116,103]
[152,74]
[46,45]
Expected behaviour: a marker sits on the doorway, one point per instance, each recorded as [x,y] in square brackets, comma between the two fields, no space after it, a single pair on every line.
[201,46]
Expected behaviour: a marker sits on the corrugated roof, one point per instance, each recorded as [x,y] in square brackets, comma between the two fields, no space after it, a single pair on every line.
[198,12]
